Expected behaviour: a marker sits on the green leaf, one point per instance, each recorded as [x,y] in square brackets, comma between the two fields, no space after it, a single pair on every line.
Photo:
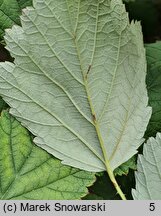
[76,81]
[153,52]
[148,175]
[28,172]
[24,3]
[124,168]
[10,11]
[9,14]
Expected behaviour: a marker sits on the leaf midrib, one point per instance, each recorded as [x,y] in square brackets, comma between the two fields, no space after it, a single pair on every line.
[96,122]
[85,77]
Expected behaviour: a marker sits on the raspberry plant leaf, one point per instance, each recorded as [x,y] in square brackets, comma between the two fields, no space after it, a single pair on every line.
[148,175]
[76,80]
[28,172]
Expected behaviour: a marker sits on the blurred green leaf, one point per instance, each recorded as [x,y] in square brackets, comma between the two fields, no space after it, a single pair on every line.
[153,52]
[10,11]
[24,3]
[9,14]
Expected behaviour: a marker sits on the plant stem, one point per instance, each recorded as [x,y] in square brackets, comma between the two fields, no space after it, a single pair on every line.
[113,180]
[107,164]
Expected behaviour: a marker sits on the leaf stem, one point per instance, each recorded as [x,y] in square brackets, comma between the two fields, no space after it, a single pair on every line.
[107,164]
[113,180]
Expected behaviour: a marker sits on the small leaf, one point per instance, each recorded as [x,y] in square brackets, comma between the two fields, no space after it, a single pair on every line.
[76,81]
[148,175]
[153,52]
[124,168]
[28,172]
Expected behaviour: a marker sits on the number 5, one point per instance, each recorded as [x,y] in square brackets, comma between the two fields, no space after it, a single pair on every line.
[152,206]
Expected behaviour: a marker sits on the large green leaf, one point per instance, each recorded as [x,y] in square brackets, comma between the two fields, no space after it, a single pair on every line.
[148,175]
[78,81]
[153,52]
[28,172]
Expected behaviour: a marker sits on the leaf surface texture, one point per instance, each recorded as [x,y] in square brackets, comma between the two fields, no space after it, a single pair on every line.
[78,81]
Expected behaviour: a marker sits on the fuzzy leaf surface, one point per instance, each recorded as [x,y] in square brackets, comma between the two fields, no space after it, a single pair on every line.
[148,175]
[28,172]
[76,80]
